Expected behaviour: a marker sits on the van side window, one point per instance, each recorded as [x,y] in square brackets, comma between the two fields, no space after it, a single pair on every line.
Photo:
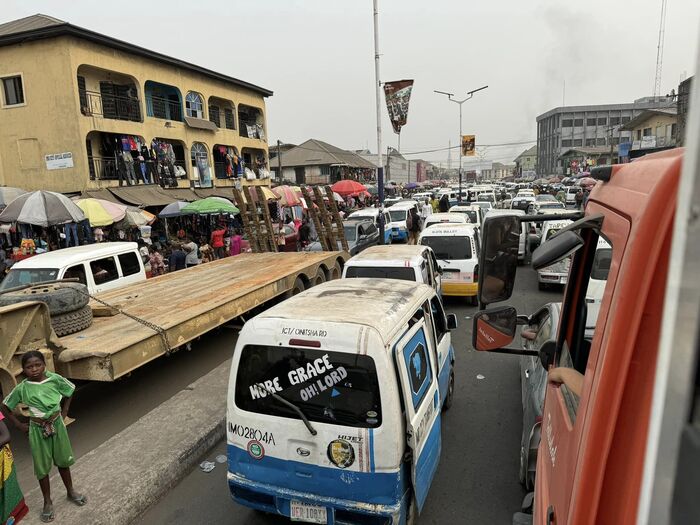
[76,272]
[104,270]
[438,317]
[417,360]
[370,229]
[129,263]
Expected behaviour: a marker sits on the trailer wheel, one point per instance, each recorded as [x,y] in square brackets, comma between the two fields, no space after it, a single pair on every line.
[320,277]
[61,298]
[337,271]
[72,322]
[298,287]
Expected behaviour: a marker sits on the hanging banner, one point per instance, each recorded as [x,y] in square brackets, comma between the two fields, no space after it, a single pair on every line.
[398,94]
[468,145]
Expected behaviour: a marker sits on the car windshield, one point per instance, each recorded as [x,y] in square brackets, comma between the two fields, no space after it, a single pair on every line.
[350,232]
[546,198]
[19,277]
[449,248]
[382,272]
[328,387]
[397,215]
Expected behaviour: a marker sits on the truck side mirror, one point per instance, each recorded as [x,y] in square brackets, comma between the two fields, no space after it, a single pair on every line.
[494,328]
[451,321]
[498,260]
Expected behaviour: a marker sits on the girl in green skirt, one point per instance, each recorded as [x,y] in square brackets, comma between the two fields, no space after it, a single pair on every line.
[42,392]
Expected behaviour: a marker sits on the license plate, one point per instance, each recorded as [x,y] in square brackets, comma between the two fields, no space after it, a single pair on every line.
[449,276]
[300,511]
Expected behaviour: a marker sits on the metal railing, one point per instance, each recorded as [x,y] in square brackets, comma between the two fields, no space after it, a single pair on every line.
[103,168]
[115,107]
[164,108]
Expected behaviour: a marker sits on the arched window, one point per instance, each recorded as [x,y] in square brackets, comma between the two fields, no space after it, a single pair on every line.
[194,105]
[198,152]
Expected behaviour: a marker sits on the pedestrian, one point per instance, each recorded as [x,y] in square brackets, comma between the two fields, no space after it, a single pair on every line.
[426,210]
[47,396]
[156,260]
[191,251]
[434,202]
[413,225]
[217,242]
[579,198]
[444,204]
[12,505]
[177,259]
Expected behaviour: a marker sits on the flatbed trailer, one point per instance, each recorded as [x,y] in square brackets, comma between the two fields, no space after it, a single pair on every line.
[167,312]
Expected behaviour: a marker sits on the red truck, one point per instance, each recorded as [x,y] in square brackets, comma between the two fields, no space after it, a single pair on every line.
[620,441]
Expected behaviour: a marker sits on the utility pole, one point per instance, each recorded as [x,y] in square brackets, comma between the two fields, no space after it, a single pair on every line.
[377,86]
[470,94]
[279,162]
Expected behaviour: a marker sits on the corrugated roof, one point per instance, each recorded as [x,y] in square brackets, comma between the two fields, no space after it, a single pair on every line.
[529,152]
[40,26]
[29,23]
[646,114]
[600,150]
[318,153]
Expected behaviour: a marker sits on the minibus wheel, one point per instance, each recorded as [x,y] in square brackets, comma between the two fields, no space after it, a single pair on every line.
[450,392]
[412,510]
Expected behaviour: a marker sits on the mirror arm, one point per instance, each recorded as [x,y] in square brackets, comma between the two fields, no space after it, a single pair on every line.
[523,319]
[515,351]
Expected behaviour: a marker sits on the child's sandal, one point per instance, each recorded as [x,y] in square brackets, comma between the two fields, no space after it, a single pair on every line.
[78,499]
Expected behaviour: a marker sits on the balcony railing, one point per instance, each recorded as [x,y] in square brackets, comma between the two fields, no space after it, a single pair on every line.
[137,172]
[115,107]
[164,108]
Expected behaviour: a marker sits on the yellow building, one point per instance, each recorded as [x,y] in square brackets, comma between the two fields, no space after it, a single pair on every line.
[652,130]
[81,112]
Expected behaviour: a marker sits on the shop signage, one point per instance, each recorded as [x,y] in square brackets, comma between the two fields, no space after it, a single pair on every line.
[398,95]
[59,161]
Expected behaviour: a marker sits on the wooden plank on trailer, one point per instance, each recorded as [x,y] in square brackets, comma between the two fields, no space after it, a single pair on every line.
[323,212]
[335,215]
[267,219]
[320,231]
[243,207]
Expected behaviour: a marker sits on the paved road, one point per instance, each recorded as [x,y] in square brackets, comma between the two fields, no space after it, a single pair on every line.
[477,481]
[102,410]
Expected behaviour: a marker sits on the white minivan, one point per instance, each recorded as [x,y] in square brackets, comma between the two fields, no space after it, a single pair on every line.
[557,273]
[334,403]
[406,262]
[100,267]
[456,248]
[398,213]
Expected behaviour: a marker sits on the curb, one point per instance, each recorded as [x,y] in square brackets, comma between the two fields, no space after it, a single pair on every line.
[128,473]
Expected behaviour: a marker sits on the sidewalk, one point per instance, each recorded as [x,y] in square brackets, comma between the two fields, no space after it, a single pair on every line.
[132,470]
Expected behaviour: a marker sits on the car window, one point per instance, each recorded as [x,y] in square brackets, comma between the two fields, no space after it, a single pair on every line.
[439,317]
[402,273]
[104,270]
[349,395]
[129,263]
[449,248]
[76,272]
[350,232]
[370,229]
[544,331]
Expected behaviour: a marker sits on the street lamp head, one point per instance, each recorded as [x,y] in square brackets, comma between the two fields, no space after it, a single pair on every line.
[444,93]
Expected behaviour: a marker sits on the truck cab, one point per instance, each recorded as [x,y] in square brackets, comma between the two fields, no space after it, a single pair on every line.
[593,458]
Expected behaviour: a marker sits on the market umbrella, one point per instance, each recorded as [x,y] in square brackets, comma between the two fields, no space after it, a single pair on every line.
[101,212]
[8,194]
[42,208]
[138,217]
[210,205]
[372,190]
[348,188]
[174,209]
[411,185]
[588,182]
[287,195]
[268,194]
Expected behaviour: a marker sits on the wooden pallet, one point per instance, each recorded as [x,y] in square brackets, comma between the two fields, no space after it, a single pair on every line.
[315,217]
[266,219]
[335,215]
[246,217]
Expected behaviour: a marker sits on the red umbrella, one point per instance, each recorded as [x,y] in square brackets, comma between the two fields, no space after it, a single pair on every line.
[348,188]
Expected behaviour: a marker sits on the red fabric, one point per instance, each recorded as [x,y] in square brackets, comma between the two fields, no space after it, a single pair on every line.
[217,238]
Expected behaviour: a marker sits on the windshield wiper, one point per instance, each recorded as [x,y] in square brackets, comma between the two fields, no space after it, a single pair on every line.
[296,409]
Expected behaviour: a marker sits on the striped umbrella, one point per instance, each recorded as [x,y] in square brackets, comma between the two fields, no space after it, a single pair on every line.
[42,208]
[101,212]
[288,195]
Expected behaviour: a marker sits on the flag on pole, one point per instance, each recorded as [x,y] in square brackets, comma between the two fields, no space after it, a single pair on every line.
[468,145]
[398,95]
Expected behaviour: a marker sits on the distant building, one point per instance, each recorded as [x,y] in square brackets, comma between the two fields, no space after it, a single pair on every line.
[81,111]
[283,148]
[595,126]
[652,130]
[497,171]
[317,162]
[683,103]
[526,162]
[576,160]
[397,168]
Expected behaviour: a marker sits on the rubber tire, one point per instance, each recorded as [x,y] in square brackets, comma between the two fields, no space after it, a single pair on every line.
[72,322]
[320,277]
[450,392]
[336,272]
[298,287]
[61,298]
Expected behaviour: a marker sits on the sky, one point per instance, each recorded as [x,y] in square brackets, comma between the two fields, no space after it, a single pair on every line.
[318,58]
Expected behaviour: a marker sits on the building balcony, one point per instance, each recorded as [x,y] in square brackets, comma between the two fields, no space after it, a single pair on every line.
[163,101]
[110,106]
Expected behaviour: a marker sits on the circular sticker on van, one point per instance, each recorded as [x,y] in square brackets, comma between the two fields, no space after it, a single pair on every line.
[256,450]
[341,453]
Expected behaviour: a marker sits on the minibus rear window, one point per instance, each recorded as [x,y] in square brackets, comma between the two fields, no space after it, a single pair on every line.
[329,387]
[386,272]
[449,248]
[19,277]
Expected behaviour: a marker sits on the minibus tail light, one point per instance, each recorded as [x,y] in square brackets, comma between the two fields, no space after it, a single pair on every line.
[475,279]
[305,342]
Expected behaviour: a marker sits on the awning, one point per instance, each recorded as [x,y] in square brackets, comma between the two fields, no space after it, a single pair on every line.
[102,193]
[178,194]
[143,195]
[226,193]
[200,123]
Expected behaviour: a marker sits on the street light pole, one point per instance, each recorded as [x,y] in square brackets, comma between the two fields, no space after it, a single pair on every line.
[470,94]
[378,96]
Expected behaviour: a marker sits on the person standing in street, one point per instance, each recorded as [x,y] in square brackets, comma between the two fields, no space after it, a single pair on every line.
[444,204]
[177,259]
[579,198]
[426,210]
[47,395]
[191,251]
[217,242]
[413,226]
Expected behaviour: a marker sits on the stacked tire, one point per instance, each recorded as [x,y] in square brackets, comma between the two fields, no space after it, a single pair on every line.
[67,304]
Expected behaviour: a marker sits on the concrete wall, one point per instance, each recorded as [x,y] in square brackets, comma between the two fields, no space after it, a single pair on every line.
[51,120]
